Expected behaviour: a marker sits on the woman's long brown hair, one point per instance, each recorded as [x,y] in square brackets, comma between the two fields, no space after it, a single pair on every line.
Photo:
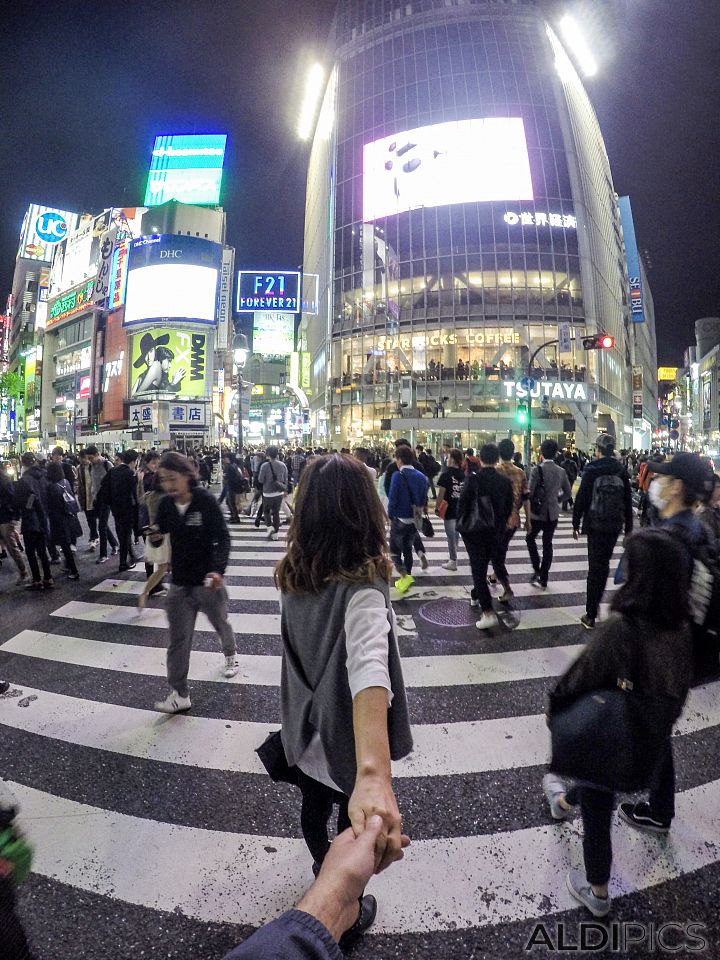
[338,530]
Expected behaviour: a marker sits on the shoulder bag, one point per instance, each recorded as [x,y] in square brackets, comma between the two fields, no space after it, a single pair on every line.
[480,517]
[614,738]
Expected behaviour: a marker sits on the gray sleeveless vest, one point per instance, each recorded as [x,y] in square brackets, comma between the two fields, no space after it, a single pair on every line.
[314,689]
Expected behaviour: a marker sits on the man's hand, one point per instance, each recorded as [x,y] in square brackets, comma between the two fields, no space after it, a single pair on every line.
[214,581]
[576,534]
[346,870]
[373,796]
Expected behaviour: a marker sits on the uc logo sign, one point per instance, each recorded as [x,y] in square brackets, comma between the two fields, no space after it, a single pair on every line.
[51,227]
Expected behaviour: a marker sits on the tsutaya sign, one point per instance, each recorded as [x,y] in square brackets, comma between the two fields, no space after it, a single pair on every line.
[551,389]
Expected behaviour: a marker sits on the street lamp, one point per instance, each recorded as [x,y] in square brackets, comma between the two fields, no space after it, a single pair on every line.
[241,351]
[70,407]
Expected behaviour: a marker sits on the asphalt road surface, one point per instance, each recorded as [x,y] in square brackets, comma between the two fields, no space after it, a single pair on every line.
[162,837]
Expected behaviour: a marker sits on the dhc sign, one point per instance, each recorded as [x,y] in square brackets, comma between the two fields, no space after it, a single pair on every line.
[548,389]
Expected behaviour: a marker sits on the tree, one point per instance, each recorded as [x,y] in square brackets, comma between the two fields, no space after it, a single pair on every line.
[11,385]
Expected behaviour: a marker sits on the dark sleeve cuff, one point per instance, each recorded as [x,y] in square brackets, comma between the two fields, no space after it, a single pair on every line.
[294,935]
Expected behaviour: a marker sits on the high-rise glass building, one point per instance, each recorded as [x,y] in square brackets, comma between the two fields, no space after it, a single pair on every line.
[460,213]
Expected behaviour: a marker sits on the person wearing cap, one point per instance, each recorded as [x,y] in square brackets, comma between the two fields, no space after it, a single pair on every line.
[603,506]
[675,490]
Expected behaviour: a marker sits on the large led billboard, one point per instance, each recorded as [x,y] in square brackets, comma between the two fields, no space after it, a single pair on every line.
[273,290]
[170,362]
[463,161]
[172,278]
[43,228]
[187,168]
[274,334]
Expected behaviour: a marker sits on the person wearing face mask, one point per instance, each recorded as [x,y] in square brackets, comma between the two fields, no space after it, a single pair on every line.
[675,490]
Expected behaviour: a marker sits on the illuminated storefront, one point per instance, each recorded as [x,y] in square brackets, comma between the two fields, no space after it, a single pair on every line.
[460,211]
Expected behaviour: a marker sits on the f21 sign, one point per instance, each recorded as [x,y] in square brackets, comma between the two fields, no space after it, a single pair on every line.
[265,290]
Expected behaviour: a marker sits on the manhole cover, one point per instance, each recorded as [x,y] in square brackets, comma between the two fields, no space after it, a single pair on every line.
[448,613]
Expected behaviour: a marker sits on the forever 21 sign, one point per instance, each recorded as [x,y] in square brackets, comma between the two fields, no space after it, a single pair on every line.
[268,291]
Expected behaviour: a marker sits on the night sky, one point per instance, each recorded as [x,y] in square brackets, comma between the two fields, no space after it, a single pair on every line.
[87,85]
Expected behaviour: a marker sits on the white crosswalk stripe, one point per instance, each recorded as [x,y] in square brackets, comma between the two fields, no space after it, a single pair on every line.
[246,877]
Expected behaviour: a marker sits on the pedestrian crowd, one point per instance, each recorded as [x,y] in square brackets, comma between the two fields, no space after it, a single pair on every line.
[345,715]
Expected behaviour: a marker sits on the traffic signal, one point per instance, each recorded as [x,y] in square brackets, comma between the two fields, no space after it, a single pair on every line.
[599,341]
[523,412]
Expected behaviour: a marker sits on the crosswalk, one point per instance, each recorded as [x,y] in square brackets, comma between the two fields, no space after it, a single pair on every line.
[137,792]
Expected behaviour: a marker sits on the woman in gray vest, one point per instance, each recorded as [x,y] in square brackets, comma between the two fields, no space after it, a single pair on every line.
[344,710]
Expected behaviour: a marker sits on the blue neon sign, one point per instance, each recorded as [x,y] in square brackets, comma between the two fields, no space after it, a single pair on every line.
[269,291]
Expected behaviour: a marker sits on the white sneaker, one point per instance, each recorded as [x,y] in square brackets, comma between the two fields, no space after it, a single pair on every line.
[231,667]
[450,565]
[73,548]
[173,703]
[92,546]
[487,621]
[424,560]
[269,534]
[273,535]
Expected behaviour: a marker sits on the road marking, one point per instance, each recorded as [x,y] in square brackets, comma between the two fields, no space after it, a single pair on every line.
[434,671]
[442,749]
[487,879]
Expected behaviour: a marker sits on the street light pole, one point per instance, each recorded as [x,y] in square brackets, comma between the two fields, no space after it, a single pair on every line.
[528,432]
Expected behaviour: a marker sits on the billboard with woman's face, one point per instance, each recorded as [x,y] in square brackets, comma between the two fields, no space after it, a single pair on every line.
[168,362]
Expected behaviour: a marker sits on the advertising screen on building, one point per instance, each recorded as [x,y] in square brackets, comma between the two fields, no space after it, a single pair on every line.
[172,278]
[168,362]
[273,290]
[76,257]
[187,168]
[43,228]
[462,161]
[274,334]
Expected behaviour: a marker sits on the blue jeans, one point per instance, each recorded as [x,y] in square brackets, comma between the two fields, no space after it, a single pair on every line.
[453,537]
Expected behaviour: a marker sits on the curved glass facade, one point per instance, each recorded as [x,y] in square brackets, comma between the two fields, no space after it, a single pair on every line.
[460,207]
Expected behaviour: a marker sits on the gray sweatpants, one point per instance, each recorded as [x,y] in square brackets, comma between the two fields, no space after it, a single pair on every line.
[183,606]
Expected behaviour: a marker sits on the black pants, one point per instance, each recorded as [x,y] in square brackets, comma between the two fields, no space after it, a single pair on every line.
[68,555]
[271,512]
[12,937]
[499,555]
[480,550]
[547,529]
[106,534]
[597,807]
[402,537]
[36,550]
[317,807]
[123,526]
[600,548]
[91,518]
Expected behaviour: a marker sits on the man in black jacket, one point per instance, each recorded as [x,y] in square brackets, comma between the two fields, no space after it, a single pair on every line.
[493,493]
[200,547]
[603,506]
[123,501]
[31,501]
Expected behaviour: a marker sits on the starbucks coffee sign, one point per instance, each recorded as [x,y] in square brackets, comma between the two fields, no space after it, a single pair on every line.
[547,389]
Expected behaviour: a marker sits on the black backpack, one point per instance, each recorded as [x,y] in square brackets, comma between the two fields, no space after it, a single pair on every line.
[607,506]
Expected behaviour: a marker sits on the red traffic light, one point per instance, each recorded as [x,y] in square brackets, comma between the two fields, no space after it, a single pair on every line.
[606,342]
[598,341]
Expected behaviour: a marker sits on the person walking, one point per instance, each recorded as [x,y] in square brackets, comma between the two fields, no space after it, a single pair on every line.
[388,474]
[99,467]
[644,647]
[603,506]
[200,547]
[62,515]
[429,465]
[30,502]
[548,485]
[273,481]
[85,499]
[342,696]
[8,532]
[486,502]
[407,499]
[448,492]
[521,501]
[155,558]
[122,483]
[235,484]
